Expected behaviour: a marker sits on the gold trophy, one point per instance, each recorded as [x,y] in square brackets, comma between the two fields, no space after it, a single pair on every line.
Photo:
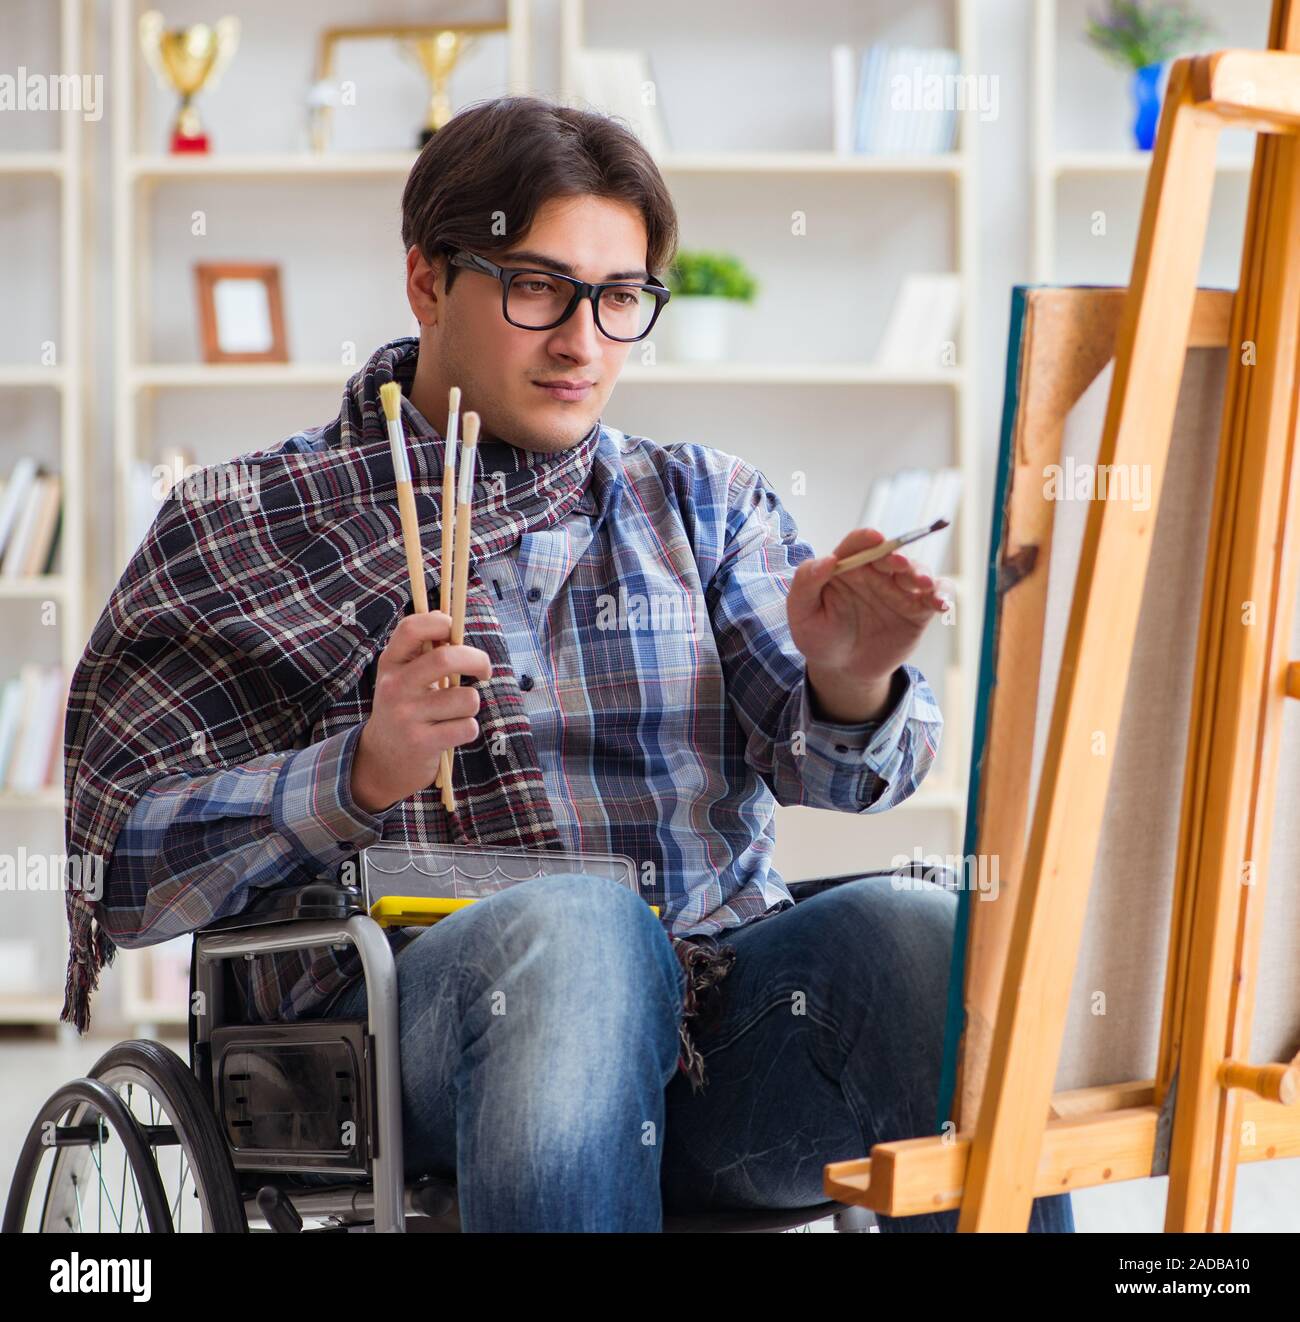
[188,59]
[438,51]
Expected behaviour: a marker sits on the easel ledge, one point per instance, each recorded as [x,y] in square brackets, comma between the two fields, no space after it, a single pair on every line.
[1102,1136]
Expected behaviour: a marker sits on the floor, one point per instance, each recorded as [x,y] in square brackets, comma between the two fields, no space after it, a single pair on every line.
[1268,1193]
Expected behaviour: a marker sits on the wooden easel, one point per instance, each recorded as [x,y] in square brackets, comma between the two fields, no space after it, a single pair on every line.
[1244,677]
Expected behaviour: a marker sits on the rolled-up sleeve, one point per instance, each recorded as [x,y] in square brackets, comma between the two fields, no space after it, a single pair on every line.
[198,847]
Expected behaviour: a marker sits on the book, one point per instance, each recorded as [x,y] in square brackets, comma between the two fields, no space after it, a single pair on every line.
[912,498]
[842,99]
[942,502]
[11,703]
[31,757]
[30,544]
[922,323]
[613,82]
[14,499]
[907,100]
[45,534]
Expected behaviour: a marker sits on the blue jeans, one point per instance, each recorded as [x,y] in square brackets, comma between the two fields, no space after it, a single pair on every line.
[539,1054]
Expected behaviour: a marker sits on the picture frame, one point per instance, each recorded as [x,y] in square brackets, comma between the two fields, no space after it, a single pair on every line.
[241,312]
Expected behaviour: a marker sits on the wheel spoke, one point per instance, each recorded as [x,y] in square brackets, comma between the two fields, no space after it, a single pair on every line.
[178,1210]
[103,1188]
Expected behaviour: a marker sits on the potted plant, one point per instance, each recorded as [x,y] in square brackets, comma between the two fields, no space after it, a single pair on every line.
[1143,38]
[707,289]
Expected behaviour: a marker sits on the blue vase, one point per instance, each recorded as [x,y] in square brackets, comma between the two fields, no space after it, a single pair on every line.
[1146,98]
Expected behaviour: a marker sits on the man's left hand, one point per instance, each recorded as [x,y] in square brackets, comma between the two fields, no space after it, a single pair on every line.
[855,629]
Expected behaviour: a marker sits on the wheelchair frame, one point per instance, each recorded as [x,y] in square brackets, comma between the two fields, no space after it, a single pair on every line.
[376,1195]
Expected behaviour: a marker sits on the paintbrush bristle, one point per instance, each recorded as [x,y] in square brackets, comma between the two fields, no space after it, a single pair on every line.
[390,395]
[937,524]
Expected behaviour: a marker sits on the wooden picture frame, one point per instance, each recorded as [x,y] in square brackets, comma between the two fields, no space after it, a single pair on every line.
[236,324]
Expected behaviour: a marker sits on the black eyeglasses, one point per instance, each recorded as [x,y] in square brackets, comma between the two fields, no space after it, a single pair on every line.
[541,300]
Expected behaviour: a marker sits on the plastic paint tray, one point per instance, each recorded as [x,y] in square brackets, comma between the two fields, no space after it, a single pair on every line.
[408,887]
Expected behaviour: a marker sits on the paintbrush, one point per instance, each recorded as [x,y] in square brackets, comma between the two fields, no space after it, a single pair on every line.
[448,539]
[460,579]
[887,548]
[390,395]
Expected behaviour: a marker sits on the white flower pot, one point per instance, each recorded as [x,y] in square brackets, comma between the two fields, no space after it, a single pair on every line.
[701,327]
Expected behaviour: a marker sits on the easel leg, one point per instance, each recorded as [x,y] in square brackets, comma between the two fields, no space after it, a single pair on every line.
[1103,624]
[1248,683]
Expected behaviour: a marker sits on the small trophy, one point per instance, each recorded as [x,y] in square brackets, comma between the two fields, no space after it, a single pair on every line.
[188,59]
[438,52]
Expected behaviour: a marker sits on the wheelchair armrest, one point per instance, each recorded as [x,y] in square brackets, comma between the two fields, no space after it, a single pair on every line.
[287,904]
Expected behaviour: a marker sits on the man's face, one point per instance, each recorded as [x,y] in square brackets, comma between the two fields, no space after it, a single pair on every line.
[500,367]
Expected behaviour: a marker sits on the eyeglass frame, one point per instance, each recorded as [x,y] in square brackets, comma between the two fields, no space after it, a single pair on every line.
[582,289]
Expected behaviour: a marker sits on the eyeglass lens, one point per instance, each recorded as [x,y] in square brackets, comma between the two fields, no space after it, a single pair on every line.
[536,300]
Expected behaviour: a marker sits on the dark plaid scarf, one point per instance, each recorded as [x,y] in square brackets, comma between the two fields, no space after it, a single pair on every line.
[238,624]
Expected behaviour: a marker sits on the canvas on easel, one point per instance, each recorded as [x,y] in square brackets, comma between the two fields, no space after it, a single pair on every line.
[1061,350]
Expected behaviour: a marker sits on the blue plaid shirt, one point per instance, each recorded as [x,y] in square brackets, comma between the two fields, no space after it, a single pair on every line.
[696,786]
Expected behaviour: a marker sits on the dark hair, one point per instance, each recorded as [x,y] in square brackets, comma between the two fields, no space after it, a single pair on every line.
[481,179]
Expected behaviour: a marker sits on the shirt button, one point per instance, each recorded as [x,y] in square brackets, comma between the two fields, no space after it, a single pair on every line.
[525,682]
[534,594]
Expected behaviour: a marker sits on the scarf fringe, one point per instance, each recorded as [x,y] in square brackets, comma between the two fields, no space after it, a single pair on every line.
[705,964]
[89,949]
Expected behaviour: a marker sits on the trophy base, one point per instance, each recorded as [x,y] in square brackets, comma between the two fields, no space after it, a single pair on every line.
[186,142]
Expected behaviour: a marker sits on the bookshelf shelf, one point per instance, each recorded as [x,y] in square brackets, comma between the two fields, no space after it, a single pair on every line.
[277,165]
[40,587]
[271,165]
[1121,163]
[30,1009]
[63,451]
[207,376]
[32,162]
[810,162]
[20,376]
[787,374]
[12,801]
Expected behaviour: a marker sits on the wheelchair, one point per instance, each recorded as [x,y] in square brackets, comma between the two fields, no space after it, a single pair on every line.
[222,1144]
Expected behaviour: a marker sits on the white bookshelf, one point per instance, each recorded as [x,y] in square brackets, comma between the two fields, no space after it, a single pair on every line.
[143,176]
[942,792]
[146,181]
[1115,175]
[28,818]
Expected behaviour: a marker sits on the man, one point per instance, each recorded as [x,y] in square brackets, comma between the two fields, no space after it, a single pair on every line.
[258,704]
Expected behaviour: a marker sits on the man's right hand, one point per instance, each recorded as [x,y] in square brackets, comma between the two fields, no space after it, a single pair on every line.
[411,722]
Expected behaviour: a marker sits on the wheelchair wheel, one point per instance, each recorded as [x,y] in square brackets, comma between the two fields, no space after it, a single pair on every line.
[169,1170]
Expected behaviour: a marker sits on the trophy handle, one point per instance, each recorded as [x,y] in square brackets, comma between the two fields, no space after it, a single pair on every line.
[150,31]
[227,30]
